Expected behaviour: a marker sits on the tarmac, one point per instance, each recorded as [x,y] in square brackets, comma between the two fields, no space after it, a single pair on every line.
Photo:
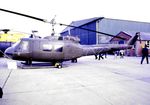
[112,81]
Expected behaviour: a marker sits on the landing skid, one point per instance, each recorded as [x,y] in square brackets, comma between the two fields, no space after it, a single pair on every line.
[38,65]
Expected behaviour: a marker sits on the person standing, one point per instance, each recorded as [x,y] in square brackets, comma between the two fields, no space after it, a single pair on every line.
[145,54]
[100,56]
[96,56]
[116,54]
[1,92]
[121,53]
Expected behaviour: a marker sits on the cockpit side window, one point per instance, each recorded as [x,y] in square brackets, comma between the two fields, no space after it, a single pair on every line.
[23,46]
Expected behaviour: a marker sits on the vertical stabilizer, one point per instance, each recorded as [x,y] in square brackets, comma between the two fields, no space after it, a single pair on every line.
[133,39]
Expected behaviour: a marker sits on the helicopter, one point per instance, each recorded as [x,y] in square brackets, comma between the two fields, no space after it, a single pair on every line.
[58,49]
[8,38]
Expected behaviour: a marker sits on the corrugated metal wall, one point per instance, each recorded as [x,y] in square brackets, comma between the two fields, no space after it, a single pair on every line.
[114,26]
[106,25]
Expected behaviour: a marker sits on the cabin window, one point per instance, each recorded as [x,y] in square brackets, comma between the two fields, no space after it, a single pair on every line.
[52,47]
[47,47]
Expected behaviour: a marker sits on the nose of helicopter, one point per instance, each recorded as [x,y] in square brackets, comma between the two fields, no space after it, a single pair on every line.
[9,52]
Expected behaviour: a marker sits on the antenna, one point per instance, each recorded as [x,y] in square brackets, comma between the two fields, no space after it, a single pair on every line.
[33,34]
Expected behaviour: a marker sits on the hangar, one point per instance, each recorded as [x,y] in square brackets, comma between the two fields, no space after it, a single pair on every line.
[106,25]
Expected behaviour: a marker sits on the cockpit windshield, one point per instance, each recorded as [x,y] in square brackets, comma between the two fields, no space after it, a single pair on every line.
[16,44]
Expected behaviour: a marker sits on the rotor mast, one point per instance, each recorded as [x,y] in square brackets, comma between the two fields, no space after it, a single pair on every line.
[53,22]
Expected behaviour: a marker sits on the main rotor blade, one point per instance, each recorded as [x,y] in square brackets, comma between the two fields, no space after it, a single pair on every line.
[92,31]
[43,20]
[5,30]
[17,13]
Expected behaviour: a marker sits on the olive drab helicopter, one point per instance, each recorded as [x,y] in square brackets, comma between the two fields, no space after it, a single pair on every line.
[57,49]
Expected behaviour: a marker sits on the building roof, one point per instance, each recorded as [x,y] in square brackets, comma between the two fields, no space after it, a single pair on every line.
[121,34]
[143,35]
[81,23]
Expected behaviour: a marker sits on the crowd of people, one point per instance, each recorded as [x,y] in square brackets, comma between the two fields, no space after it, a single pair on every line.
[121,54]
[104,55]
